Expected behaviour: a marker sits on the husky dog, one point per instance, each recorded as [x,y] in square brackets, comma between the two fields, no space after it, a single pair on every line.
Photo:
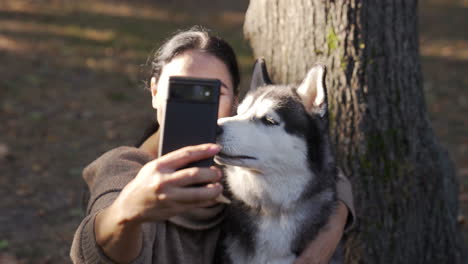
[279,168]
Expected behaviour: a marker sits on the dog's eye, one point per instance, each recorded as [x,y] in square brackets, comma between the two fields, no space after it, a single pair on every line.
[267,120]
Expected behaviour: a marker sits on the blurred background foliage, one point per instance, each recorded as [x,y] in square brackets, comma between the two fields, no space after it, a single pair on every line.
[72,86]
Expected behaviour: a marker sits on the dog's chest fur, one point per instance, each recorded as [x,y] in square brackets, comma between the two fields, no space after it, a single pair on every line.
[262,231]
[272,193]
[272,242]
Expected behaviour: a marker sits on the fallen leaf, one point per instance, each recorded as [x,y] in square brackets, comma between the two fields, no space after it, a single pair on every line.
[463,197]
[23,190]
[75,171]
[36,115]
[76,212]
[111,134]
[36,167]
[3,245]
[463,172]
[461,219]
[4,151]
[40,212]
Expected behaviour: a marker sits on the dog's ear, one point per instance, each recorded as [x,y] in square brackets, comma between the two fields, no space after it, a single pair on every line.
[313,92]
[260,75]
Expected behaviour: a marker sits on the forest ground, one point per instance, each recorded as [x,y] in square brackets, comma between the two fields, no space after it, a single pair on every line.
[72,86]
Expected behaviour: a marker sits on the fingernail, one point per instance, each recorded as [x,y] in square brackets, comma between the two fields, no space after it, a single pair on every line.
[214,148]
[222,199]
[214,185]
[218,171]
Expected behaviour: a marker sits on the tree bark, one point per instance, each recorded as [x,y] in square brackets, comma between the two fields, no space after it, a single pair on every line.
[405,187]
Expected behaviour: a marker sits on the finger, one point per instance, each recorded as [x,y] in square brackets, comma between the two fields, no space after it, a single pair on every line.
[222,199]
[203,205]
[190,176]
[178,158]
[195,194]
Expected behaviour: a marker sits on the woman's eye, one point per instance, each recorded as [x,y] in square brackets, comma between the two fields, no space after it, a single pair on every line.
[267,120]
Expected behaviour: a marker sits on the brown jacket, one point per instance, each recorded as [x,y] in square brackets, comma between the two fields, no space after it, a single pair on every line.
[183,239]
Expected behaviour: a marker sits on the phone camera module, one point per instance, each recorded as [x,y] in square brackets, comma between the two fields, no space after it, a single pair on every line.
[198,91]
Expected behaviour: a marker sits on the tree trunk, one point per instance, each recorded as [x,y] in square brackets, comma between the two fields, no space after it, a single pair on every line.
[405,188]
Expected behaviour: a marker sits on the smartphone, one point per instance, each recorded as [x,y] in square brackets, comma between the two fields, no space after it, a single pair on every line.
[190,115]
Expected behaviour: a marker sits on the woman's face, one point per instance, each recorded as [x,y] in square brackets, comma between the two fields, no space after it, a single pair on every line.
[194,63]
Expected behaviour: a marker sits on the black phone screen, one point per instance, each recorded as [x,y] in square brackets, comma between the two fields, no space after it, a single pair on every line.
[191,114]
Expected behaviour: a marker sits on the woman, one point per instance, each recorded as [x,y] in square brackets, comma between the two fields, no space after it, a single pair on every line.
[141,208]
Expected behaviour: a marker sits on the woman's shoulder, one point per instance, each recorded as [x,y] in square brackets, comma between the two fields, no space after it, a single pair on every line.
[116,161]
[123,154]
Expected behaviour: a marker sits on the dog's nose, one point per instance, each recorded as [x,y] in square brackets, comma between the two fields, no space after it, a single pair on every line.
[219,130]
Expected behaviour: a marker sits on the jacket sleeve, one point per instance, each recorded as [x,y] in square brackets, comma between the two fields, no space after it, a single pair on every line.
[105,178]
[345,194]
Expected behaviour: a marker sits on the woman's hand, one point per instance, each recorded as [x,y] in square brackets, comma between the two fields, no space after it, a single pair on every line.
[157,193]
[324,245]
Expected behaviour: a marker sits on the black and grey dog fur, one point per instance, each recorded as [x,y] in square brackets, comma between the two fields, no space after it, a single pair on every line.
[280,170]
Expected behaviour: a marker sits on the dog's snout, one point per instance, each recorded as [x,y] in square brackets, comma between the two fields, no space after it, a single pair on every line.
[219,130]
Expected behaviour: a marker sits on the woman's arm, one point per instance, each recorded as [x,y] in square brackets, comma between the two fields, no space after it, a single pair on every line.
[321,249]
[116,229]
[120,240]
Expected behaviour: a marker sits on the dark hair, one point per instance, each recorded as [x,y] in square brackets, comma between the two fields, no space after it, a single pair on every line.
[196,38]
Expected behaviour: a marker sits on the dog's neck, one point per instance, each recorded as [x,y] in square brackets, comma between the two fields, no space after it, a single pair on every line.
[265,192]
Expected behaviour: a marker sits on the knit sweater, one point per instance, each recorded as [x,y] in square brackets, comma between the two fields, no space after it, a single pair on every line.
[182,239]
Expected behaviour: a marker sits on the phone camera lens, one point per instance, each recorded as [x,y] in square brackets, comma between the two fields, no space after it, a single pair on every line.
[198,91]
[207,93]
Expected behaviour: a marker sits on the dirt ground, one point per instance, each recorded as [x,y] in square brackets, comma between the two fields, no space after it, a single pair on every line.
[72,86]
